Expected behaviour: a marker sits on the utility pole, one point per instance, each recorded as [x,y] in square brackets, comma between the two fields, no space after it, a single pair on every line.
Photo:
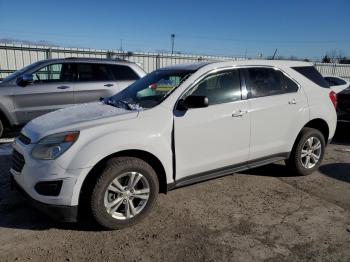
[121,45]
[172,36]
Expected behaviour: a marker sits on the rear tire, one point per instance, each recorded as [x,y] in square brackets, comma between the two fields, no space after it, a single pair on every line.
[307,153]
[125,193]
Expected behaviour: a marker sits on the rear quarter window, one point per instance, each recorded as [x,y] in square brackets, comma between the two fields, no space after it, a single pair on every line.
[312,74]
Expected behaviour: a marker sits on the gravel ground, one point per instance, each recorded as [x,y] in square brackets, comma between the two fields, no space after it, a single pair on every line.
[265,214]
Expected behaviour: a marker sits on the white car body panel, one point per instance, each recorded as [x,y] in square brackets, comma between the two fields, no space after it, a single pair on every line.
[218,139]
[277,136]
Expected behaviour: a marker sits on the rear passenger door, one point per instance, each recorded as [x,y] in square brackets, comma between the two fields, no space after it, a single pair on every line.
[92,81]
[278,111]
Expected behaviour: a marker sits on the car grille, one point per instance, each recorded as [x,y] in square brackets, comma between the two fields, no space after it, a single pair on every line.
[17,161]
[25,140]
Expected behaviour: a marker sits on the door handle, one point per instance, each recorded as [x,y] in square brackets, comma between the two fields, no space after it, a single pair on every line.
[63,87]
[292,102]
[239,113]
[109,85]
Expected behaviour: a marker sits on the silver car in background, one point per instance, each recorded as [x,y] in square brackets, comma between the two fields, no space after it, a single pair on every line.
[53,84]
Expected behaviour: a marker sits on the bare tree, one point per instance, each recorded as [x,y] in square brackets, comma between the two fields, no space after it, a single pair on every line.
[335,55]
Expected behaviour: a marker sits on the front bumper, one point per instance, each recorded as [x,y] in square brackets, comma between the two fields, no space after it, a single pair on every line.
[57,212]
[36,180]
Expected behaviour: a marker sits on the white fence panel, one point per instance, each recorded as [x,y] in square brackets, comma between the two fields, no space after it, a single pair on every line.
[14,57]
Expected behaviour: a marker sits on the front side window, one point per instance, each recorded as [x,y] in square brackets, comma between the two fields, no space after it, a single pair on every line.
[53,73]
[268,82]
[223,87]
[92,72]
[150,90]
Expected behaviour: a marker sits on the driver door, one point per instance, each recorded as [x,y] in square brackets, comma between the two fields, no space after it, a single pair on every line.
[50,91]
[216,137]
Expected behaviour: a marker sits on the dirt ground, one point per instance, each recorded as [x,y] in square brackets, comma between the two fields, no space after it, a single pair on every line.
[265,214]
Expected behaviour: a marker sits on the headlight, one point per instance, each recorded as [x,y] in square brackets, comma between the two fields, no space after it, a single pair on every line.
[53,146]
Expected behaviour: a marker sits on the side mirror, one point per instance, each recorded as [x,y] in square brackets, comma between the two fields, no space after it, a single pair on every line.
[192,102]
[25,80]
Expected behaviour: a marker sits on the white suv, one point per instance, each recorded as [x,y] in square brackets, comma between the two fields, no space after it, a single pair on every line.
[176,126]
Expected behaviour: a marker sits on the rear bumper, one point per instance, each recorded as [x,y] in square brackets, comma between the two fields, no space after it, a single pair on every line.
[57,212]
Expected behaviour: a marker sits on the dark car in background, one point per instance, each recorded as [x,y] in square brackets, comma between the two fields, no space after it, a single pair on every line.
[342,88]
[343,108]
[52,84]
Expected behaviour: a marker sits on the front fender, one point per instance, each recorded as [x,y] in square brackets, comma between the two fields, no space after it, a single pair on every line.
[93,148]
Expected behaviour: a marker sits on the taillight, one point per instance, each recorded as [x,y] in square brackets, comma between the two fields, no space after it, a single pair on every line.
[333,97]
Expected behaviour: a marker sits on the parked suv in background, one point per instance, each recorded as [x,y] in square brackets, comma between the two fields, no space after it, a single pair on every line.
[174,127]
[52,84]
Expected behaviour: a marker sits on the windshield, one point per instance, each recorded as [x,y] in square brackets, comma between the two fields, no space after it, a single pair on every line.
[19,72]
[150,90]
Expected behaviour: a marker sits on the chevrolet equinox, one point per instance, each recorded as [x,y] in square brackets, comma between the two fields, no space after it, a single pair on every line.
[174,127]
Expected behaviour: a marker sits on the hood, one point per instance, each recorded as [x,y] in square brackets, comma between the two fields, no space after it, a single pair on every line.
[75,118]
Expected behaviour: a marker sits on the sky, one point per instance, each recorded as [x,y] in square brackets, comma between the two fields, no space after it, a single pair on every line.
[306,29]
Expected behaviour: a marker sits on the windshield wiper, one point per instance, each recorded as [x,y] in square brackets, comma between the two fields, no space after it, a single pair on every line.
[126,104]
[114,103]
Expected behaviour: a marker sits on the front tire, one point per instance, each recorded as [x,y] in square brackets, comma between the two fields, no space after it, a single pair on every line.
[1,128]
[308,152]
[125,193]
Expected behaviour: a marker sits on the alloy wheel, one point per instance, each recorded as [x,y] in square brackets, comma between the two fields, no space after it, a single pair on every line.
[311,152]
[127,195]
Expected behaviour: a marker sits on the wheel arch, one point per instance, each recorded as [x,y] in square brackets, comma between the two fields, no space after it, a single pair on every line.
[320,125]
[148,157]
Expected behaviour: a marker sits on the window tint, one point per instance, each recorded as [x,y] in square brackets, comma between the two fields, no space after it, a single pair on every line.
[334,81]
[221,87]
[267,82]
[123,73]
[290,85]
[93,72]
[312,74]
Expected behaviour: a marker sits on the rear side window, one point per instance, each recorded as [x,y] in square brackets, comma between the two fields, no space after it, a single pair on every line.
[123,73]
[93,72]
[268,82]
[312,74]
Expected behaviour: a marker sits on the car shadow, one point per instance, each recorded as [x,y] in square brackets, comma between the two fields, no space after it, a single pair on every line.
[338,171]
[271,170]
[11,133]
[17,213]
